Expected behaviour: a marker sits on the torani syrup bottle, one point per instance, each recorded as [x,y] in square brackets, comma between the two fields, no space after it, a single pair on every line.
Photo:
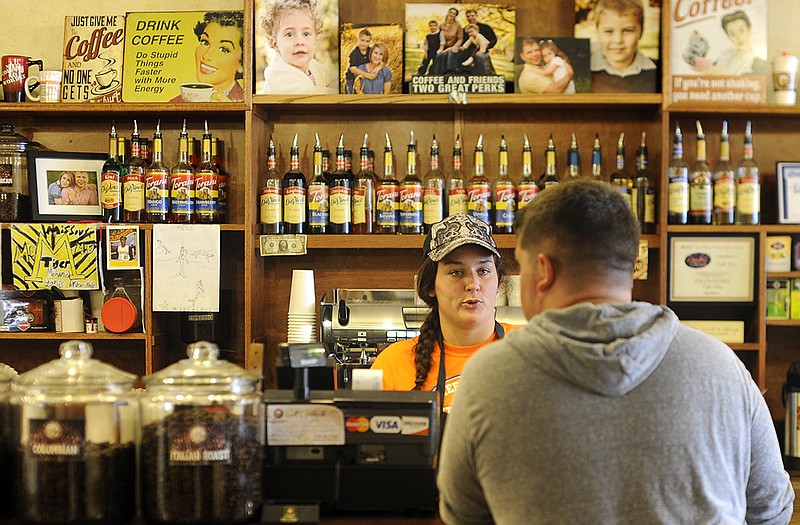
[388,194]
[527,189]
[182,184]
[411,193]
[504,194]
[318,194]
[479,191]
[156,183]
[207,183]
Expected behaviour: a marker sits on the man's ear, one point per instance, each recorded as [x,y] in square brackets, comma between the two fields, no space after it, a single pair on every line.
[546,272]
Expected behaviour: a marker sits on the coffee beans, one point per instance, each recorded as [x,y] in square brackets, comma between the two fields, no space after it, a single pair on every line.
[98,487]
[201,465]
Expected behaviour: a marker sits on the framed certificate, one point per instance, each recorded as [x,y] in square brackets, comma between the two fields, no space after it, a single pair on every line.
[788,180]
[712,269]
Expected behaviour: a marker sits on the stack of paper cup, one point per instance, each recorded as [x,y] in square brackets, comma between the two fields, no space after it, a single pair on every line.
[302,324]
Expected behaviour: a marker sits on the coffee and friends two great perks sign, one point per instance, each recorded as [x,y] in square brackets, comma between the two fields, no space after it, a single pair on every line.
[183,56]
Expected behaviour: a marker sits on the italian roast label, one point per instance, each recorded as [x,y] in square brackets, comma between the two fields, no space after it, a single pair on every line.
[199,443]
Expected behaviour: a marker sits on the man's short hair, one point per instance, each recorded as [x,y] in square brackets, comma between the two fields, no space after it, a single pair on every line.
[586,227]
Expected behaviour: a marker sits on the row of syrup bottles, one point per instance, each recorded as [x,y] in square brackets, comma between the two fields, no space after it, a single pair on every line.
[721,195]
[134,190]
[343,202]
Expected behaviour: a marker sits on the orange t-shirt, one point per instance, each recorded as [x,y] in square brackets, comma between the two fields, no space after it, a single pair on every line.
[399,371]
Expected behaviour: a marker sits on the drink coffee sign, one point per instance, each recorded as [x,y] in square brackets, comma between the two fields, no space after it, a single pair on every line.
[184,57]
[92,61]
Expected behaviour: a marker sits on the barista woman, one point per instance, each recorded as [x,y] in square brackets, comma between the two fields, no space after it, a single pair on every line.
[458,279]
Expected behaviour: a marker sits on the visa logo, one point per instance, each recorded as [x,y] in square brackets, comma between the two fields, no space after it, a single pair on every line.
[385,424]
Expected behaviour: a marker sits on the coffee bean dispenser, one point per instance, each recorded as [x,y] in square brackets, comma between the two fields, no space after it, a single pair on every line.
[75,421]
[6,474]
[15,201]
[202,441]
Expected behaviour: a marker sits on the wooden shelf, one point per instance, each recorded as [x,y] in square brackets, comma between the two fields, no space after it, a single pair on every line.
[479,100]
[34,108]
[783,322]
[74,335]
[734,109]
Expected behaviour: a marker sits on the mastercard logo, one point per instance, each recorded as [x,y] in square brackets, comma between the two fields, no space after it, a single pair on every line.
[356,424]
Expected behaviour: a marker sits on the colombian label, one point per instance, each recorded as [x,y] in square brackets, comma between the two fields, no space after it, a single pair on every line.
[110,194]
[269,203]
[156,192]
[199,443]
[57,439]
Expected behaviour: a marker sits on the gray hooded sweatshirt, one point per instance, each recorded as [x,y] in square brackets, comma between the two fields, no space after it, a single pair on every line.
[610,414]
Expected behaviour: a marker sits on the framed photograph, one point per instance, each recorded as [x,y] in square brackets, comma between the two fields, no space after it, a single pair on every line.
[711,269]
[551,65]
[279,69]
[461,48]
[371,48]
[65,186]
[788,175]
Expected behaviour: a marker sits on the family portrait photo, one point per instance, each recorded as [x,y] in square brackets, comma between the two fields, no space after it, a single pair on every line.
[552,65]
[371,58]
[460,39]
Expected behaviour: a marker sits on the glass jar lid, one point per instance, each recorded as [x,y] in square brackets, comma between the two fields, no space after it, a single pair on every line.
[75,370]
[6,375]
[204,368]
[14,142]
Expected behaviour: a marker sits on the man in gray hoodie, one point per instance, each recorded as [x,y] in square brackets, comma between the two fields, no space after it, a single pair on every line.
[603,410]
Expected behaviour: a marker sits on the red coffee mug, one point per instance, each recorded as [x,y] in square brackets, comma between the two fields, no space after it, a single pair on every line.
[15,71]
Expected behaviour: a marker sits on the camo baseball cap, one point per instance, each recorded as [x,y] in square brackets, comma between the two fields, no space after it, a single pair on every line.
[455,231]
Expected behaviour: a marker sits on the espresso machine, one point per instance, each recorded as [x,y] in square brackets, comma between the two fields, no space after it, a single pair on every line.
[357,324]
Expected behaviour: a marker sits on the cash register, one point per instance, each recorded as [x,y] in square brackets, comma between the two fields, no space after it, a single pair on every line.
[343,450]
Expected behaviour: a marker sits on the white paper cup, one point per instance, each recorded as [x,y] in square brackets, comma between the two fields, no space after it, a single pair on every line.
[784,69]
[303,297]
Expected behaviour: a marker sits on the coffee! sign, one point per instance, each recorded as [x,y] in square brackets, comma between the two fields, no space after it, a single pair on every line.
[92,59]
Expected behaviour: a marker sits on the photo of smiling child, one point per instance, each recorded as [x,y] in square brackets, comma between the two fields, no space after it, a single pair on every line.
[624,38]
[371,58]
[293,33]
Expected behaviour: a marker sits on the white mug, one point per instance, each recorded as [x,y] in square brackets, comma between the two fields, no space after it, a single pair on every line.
[49,83]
